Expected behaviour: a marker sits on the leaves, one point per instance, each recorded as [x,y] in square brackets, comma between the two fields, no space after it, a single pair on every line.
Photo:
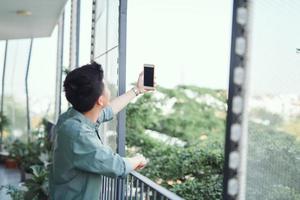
[194,172]
[15,192]
[38,184]
[4,121]
[273,164]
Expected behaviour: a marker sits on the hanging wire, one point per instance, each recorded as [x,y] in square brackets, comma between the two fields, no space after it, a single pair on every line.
[2,93]
[27,93]
[59,66]
[12,86]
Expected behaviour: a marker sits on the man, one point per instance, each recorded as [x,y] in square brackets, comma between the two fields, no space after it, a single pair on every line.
[79,155]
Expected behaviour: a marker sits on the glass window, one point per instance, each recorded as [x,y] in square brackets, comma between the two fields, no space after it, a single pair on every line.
[106,53]
[273,164]
[14,91]
[41,85]
[85,32]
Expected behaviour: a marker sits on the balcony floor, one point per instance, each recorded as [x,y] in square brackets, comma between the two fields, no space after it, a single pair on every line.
[8,176]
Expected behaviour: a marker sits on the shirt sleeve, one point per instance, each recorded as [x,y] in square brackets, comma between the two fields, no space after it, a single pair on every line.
[106,114]
[92,156]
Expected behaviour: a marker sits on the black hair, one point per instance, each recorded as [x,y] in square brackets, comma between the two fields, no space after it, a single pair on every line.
[83,86]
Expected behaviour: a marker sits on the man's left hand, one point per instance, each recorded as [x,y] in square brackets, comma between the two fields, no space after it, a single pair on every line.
[140,84]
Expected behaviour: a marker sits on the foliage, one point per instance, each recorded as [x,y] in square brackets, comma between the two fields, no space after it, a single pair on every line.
[279,192]
[15,192]
[16,112]
[197,116]
[183,170]
[4,122]
[293,127]
[34,158]
[272,151]
[35,188]
[210,188]
[192,115]
[265,116]
[193,172]
[186,170]
[143,114]
[27,153]
[38,184]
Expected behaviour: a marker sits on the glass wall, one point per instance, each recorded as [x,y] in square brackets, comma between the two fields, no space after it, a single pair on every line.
[14,88]
[273,163]
[84,40]
[41,85]
[85,31]
[106,53]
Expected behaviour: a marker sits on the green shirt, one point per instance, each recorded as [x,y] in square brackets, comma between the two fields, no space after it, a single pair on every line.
[80,158]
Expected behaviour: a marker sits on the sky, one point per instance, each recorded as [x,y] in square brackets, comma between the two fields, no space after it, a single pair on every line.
[274,65]
[187,40]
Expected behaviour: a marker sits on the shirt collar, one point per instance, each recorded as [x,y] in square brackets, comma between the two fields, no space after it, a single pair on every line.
[83,118]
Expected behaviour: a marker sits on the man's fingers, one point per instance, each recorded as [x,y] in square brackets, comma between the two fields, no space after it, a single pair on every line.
[141,166]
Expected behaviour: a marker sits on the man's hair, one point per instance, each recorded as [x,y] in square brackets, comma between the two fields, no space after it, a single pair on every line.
[83,86]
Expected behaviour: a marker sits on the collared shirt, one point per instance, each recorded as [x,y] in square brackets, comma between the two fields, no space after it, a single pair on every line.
[80,157]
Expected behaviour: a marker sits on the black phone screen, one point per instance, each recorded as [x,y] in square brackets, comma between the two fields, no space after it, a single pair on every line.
[149,76]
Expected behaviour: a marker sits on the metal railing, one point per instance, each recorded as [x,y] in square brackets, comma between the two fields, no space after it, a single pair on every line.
[134,187]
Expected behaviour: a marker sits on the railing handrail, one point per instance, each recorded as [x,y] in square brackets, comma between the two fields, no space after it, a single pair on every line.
[156,187]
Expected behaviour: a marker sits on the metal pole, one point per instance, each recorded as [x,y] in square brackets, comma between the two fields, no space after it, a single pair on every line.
[59,66]
[107,36]
[122,86]
[74,34]
[236,127]
[77,32]
[27,92]
[122,74]
[94,6]
[2,91]
[229,103]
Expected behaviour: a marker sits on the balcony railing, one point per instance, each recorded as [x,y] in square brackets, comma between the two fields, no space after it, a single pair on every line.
[134,187]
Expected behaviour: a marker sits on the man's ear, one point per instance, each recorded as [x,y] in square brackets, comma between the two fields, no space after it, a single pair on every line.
[100,101]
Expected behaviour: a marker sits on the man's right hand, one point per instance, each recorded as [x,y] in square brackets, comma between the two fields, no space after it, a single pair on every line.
[138,162]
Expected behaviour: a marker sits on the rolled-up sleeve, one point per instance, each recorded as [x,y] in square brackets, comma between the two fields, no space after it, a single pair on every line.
[106,114]
[92,156]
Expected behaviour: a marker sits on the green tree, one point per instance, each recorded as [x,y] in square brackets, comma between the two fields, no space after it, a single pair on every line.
[195,171]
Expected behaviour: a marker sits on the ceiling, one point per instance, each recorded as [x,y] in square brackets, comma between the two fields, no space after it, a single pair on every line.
[41,22]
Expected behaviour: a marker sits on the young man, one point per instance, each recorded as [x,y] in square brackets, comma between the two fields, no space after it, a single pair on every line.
[79,155]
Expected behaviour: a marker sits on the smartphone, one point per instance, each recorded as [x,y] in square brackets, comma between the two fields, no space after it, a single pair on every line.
[149,76]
